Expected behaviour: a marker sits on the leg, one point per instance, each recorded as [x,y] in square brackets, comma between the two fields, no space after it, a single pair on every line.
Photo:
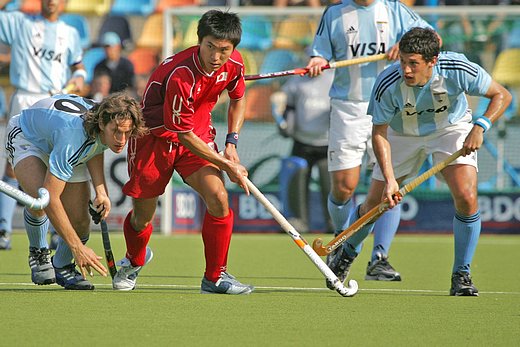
[218,223]
[379,268]
[137,229]
[7,207]
[462,181]
[343,184]
[341,261]
[324,191]
[75,199]
[31,172]
[216,232]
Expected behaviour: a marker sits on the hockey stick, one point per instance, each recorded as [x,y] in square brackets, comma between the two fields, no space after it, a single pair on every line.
[352,288]
[303,71]
[108,249]
[33,203]
[378,210]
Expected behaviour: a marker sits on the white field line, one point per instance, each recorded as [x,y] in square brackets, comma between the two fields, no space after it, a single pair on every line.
[289,289]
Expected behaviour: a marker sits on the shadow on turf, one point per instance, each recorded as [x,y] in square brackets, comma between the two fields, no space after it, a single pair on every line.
[241,277]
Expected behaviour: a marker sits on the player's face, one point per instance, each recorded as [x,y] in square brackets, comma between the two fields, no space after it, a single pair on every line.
[417,71]
[214,53]
[115,134]
[51,7]
[364,2]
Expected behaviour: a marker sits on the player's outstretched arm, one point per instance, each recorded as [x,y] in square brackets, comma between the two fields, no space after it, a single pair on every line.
[86,259]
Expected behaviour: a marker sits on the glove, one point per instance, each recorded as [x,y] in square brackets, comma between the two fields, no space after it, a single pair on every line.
[96,216]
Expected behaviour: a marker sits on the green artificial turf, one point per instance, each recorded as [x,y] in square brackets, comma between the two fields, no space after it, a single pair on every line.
[290,307]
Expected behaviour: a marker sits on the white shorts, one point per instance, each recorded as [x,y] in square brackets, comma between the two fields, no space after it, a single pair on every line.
[410,152]
[21,99]
[350,134]
[18,148]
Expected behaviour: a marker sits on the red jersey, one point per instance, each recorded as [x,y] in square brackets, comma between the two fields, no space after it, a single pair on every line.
[179,95]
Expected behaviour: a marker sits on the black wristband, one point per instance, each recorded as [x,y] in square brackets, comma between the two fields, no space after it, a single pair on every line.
[232,138]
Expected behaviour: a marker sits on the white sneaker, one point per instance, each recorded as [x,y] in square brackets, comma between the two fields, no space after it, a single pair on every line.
[126,276]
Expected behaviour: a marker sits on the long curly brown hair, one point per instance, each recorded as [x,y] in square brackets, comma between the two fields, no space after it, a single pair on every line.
[118,107]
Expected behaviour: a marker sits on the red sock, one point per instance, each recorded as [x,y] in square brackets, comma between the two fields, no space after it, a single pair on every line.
[216,234]
[136,241]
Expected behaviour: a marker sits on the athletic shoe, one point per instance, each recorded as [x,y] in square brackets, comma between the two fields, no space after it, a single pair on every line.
[126,276]
[70,278]
[42,271]
[339,262]
[461,285]
[226,284]
[232,278]
[381,270]
[5,240]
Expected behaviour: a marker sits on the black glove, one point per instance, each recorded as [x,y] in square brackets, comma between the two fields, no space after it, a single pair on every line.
[96,216]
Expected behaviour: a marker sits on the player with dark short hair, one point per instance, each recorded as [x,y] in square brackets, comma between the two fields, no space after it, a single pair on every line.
[419,108]
[177,105]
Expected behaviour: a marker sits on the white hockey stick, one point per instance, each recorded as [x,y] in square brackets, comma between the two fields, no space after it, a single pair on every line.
[352,287]
[33,203]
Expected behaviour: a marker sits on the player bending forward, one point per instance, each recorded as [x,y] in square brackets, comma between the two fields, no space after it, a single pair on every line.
[177,103]
[419,108]
[53,144]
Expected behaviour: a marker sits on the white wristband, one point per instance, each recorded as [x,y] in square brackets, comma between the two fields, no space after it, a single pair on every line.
[484,122]
[80,73]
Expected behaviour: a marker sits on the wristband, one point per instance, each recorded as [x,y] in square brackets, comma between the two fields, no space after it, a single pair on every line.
[80,73]
[484,122]
[232,138]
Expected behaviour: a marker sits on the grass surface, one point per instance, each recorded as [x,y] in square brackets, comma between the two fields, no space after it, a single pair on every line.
[290,307]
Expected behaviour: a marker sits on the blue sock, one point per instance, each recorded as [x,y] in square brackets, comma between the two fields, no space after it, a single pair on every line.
[339,213]
[466,231]
[7,206]
[384,231]
[63,255]
[354,243]
[36,230]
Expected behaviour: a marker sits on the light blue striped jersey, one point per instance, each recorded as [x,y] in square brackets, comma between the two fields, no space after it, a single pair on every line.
[348,31]
[54,126]
[41,51]
[440,102]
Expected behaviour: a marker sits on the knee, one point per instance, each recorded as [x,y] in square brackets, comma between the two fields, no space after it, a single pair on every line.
[342,192]
[38,214]
[466,202]
[217,203]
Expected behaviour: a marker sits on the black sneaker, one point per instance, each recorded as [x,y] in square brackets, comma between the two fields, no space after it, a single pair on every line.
[339,262]
[381,270]
[70,278]
[42,271]
[461,285]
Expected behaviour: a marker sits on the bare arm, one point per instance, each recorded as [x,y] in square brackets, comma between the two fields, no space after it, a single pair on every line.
[235,171]
[500,98]
[235,121]
[383,154]
[85,257]
[96,169]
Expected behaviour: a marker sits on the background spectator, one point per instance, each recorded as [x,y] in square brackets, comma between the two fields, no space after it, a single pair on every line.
[119,68]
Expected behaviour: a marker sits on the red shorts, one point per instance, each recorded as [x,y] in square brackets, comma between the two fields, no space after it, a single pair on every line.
[151,161]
